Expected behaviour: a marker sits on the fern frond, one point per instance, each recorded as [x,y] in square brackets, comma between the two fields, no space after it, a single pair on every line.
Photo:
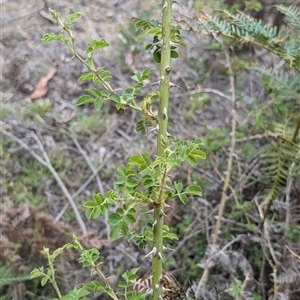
[252,26]
[287,86]
[143,285]
[277,160]
[291,277]
[8,276]
[171,288]
[249,30]
[240,26]
[230,260]
[293,15]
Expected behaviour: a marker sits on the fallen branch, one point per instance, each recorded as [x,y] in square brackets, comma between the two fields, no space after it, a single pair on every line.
[46,162]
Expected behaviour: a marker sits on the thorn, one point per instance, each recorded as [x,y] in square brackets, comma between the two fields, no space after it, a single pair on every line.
[165,249]
[169,206]
[160,256]
[176,1]
[153,83]
[165,115]
[154,223]
[149,212]
[171,84]
[165,7]
[154,129]
[162,212]
[152,252]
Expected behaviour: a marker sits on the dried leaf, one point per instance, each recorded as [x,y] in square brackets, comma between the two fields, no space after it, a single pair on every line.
[47,16]
[42,88]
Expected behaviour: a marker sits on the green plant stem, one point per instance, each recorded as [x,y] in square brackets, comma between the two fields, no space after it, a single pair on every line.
[53,280]
[162,120]
[105,84]
[101,275]
[72,47]
[296,131]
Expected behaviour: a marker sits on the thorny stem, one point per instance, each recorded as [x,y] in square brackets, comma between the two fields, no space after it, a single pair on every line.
[162,185]
[53,280]
[162,120]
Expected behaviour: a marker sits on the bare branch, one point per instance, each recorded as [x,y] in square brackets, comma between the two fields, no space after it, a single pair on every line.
[46,162]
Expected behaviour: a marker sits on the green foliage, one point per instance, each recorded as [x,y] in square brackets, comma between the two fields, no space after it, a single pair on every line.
[278,158]
[34,109]
[155,28]
[240,210]
[257,296]
[48,275]
[276,125]
[255,5]
[127,285]
[294,233]
[9,279]
[235,289]
[4,111]
[86,124]
[283,85]
[89,258]
[292,15]
[25,184]
[216,139]
[127,99]
[248,150]
[252,31]
[130,40]
[10,276]
[144,181]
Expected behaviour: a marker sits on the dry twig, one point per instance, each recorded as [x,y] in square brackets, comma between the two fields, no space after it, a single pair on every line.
[226,185]
[46,162]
